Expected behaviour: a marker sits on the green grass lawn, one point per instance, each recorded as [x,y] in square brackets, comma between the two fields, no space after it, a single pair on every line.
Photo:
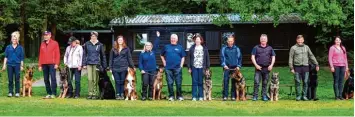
[326,106]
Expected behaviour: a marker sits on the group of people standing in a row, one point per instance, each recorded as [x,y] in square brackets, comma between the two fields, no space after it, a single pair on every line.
[91,56]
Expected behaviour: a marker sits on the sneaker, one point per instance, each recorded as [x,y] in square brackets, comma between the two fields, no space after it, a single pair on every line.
[143,98]
[118,97]
[10,95]
[193,99]
[200,99]
[181,99]
[255,98]
[150,98]
[224,99]
[94,98]
[17,95]
[341,98]
[233,98]
[171,99]
[305,99]
[47,97]
[52,96]
[89,97]
[76,97]
[298,98]
[265,98]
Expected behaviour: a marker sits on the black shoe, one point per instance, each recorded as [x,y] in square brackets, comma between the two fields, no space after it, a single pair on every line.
[69,96]
[89,97]
[341,98]
[337,98]
[315,99]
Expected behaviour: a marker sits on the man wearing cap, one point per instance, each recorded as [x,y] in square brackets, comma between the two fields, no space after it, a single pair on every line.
[73,58]
[94,60]
[49,59]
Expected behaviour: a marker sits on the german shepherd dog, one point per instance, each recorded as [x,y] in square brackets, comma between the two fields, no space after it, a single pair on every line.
[64,75]
[348,91]
[313,83]
[158,84]
[239,85]
[274,87]
[130,85]
[207,87]
[27,82]
[105,86]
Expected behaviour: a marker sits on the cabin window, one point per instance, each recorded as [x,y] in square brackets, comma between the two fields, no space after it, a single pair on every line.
[139,40]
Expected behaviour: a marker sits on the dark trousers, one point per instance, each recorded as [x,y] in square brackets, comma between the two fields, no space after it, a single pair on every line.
[51,86]
[197,82]
[148,82]
[14,70]
[261,75]
[74,72]
[301,73]
[338,77]
[226,82]
[119,81]
[174,75]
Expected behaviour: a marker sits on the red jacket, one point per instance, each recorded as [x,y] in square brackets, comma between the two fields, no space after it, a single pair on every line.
[49,53]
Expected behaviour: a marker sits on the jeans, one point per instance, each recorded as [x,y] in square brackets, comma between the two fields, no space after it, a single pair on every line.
[226,82]
[171,76]
[74,72]
[261,75]
[14,70]
[197,82]
[119,81]
[301,73]
[148,80]
[338,77]
[51,86]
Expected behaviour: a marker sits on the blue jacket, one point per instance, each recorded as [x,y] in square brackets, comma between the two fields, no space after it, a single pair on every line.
[14,55]
[191,57]
[231,56]
[173,55]
[93,54]
[120,61]
[147,61]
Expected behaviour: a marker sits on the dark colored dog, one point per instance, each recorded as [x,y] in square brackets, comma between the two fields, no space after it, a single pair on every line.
[348,91]
[313,83]
[64,75]
[239,85]
[105,86]
[274,87]
[158,85]
[207,87]
[27,82]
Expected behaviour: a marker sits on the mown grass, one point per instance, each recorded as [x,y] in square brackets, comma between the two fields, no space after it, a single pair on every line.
[326,106]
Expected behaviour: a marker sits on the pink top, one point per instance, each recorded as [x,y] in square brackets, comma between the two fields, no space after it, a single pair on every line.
[337,57]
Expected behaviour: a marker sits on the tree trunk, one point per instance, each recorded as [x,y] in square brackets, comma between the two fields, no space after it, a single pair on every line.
[22,25]
[54,30]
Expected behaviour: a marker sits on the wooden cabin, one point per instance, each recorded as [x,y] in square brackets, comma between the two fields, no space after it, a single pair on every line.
[143,28]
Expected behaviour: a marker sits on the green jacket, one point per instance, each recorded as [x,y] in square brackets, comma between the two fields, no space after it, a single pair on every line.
[300,55]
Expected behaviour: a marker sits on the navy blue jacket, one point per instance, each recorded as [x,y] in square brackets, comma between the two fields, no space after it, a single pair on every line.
[120,61]
[93,54]
[147,61]
[231,56]
[14,55]
[191,57]
[173,55]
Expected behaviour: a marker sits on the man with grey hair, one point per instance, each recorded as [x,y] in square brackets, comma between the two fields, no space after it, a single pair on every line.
[263,58]
[173,57]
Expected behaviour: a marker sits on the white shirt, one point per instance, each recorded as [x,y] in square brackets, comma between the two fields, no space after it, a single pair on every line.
[73,56]
[198,54]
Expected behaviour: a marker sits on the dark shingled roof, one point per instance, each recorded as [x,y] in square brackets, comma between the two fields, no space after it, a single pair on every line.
[195,19]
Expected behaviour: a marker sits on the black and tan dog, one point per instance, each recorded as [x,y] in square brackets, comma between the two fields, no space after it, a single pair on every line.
[63,84]
[207,87]
[239,85]
[130,85]
[348,91]
[158,84]
[274,87]
[27,82]
[105,86]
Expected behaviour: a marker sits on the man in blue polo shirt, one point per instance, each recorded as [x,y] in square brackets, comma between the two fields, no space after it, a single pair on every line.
[173,57]
[263,58]
[231,59]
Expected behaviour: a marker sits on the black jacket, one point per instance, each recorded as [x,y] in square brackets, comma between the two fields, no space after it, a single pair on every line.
[191,57]
[120,61]
[93,54]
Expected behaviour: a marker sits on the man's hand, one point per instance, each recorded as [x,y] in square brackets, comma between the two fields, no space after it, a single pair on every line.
[293,71]
[190,70]
[226,67]
[55,66]
[39,68]
[258,67]
[317,68]
[269,68]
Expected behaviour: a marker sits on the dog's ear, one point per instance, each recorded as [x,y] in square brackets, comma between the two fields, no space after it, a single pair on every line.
[27,67]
